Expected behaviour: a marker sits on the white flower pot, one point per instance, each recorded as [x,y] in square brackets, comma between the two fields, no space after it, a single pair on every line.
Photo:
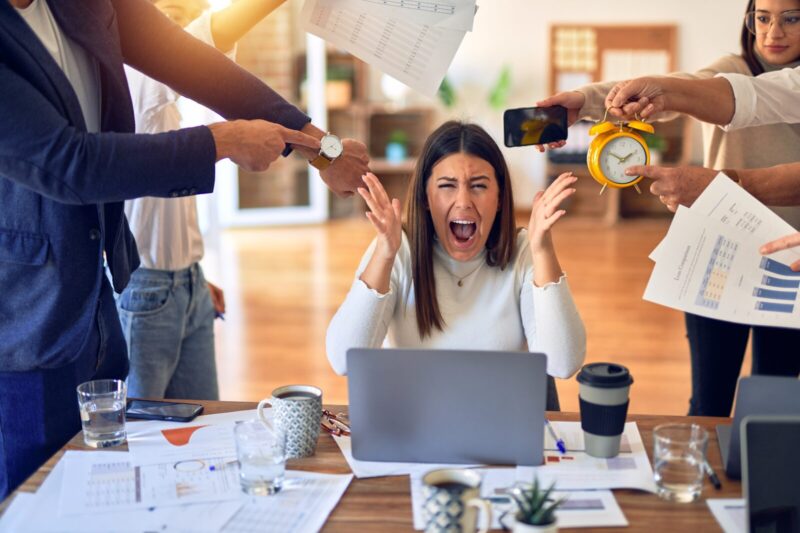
[521,527]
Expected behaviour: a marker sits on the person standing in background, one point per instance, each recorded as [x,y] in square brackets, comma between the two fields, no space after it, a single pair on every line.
[770,41]
[167,310]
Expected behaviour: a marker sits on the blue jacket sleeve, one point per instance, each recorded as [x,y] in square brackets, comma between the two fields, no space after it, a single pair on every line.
[154,45]
[40,150]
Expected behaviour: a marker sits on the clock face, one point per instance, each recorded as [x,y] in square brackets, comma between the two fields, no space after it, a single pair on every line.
[617,155]
[331,146]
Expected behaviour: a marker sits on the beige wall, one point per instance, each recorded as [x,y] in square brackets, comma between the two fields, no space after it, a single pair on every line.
[515,32]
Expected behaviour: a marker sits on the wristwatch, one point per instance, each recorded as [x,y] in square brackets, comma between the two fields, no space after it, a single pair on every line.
[330,147]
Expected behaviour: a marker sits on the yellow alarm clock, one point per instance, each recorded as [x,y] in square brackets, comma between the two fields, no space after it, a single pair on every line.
[616,147]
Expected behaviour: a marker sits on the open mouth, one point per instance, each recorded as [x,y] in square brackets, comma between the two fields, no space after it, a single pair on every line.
[463,230]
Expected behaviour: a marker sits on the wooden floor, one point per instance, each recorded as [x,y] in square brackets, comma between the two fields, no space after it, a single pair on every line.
[283,285]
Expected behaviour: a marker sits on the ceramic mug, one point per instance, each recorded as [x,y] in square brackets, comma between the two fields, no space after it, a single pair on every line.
[297,411]
[451,502]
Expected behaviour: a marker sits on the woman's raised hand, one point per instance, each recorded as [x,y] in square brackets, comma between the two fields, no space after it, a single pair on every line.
[547,210]
[385,216]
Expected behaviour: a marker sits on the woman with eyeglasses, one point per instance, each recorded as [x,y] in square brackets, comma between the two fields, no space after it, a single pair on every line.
[770,41]
[459,274]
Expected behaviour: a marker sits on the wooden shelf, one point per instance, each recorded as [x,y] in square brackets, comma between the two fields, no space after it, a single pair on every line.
[384,166]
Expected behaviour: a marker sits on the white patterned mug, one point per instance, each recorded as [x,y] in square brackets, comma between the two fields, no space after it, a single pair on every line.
[452,502]
[297,411]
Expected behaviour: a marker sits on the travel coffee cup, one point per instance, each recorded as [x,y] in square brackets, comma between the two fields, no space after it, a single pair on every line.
[603,398]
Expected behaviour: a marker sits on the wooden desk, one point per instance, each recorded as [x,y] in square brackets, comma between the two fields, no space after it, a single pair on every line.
[384,504]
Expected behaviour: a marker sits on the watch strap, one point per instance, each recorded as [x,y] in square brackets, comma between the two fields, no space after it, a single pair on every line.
[320,162]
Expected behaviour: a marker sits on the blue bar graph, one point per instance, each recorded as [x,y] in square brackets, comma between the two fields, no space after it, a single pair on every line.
[770,306]
[775,295]
[770,265]
[780,282]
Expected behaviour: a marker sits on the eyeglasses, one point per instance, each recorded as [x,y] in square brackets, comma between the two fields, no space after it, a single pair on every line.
[336,424]
[759,23]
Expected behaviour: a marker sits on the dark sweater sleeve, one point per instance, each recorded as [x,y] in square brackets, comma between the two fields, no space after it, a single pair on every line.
[156,46]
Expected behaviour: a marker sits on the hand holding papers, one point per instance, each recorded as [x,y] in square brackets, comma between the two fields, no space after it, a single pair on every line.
[709,263]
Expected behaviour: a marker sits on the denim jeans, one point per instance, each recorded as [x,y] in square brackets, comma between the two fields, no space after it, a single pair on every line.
[717,350]
[167,318]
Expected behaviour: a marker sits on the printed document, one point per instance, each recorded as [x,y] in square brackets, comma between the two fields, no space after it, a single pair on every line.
[415,54]
[194,518]
[731,514]
[577,470]
[453,14]
[205,436]
[709,264]
[596,508]
[303,504]
[110,482]
[366,469]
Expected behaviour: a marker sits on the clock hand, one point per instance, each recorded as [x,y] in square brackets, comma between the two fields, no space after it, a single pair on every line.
[615,155]
[626,157]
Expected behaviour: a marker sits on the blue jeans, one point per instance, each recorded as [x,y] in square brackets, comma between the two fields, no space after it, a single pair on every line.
[167,318]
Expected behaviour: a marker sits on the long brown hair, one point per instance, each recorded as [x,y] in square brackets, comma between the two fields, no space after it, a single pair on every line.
[453,137]
[748,41]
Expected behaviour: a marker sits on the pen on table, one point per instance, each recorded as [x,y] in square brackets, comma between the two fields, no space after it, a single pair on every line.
[559,442]
[712,475]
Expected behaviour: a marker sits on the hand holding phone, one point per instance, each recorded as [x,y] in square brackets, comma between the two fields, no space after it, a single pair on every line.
[528,126]
[158,410]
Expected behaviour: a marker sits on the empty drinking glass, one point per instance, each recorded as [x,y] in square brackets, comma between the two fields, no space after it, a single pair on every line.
[679,452]
[261,451]
[102,406]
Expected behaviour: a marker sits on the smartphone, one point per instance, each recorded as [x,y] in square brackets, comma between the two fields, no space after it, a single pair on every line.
[157,410]
[535,125]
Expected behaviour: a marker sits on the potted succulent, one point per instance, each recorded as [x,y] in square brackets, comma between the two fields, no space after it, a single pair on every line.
[535,509]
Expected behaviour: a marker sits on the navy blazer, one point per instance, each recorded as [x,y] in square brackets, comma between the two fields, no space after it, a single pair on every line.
[62,189]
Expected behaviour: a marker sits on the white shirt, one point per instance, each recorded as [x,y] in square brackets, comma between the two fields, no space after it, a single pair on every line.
[78,66]
[498,310]
[166,229]
[771,98]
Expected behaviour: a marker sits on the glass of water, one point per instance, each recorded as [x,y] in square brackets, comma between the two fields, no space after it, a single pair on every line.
[261,451]
[679,452]
[102,406]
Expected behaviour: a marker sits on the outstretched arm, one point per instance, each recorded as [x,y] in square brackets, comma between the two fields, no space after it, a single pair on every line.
[232,23]
[708,100]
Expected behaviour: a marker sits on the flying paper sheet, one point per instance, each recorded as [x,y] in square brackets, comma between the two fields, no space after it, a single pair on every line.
[415,54]
[453,14]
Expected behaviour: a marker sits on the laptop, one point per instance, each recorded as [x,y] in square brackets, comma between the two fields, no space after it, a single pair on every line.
[756,395]
[447,406]
[770,472]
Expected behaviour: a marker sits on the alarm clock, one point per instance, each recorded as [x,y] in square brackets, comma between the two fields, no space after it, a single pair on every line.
[616,147]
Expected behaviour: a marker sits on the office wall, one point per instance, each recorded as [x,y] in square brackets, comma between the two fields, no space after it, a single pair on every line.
[516,33]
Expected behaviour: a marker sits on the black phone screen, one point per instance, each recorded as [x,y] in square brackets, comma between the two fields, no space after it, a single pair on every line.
[162,410]
[535,125]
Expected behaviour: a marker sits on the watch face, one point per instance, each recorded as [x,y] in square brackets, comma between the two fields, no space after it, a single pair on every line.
[617,155]
[331,146]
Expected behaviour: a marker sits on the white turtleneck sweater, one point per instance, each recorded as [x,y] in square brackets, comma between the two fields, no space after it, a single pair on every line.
[496,310]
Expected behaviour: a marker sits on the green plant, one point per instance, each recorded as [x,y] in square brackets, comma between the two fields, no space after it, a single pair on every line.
[502,87]
[447,93]
[534,506]
[399,137]
[655,142]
